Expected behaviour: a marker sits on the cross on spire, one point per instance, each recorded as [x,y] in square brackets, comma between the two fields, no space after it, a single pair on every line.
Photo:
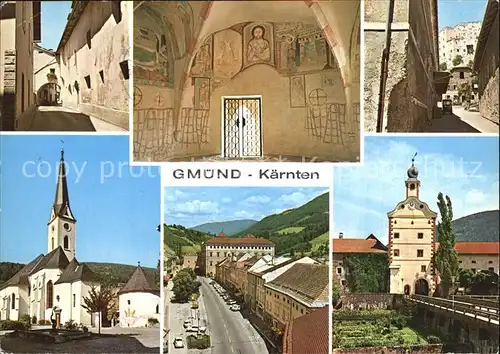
[62,149]
[413,160]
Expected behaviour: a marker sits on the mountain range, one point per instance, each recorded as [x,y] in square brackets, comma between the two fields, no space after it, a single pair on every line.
[228,227]
[303,229]
[479,227]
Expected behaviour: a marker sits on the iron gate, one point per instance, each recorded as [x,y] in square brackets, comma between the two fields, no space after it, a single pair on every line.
[242,127]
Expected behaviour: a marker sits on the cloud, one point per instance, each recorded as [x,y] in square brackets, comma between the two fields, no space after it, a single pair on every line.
[258,199]
[293,199]
[245,214]
[174,195]
[194,207]
[226,200]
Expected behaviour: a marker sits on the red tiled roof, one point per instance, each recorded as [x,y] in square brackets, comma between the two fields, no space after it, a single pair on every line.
[307,334]
[476,247]
[356,245]
[245,240]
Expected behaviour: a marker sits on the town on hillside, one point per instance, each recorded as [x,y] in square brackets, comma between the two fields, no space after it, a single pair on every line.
[431,71]
[249,286]
[80,85]
[433,286]
[57,304]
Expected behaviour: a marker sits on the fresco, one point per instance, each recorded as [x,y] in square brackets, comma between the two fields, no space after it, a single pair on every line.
[202,63]
[227,55]
[258,44]
[301,48]
[162,33]
[297,91]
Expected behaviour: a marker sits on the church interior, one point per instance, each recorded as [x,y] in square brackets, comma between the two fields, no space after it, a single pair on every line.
[246,80]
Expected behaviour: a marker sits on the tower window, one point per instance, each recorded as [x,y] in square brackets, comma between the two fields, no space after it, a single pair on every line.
[52,243]
[128,302]
[420,235]
[423,268]
[396,253]
[412,186]
[157,309]
[66,242]
[420,253]
[396,235]
[473,262]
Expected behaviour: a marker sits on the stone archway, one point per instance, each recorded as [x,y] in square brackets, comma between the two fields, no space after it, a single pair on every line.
[49,94]
[407,289]
[422,287]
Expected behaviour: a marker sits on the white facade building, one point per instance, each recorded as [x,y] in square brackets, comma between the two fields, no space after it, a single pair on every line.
[52,286]
[459,40]
[139,300]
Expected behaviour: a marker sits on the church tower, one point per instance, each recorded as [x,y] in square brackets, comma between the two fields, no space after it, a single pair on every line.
[412,238]
[62,224]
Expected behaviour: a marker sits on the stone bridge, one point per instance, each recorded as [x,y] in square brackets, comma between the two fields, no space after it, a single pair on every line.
[469,320]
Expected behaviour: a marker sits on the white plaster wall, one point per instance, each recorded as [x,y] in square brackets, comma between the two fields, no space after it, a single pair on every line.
[8,311]
[144,305]
[108,99]
[482,261]
[38,300]
[57,231]
[43,62]
[24,63]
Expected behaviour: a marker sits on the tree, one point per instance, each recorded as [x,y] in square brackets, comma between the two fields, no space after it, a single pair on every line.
[100,301]
[465,278]
[185,284]
[157,274]
[443,67]
[484,282]
[458,60]
[465,91]
[446,257]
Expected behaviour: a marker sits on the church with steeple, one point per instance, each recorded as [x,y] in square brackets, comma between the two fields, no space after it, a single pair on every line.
[52,285]
[412,241]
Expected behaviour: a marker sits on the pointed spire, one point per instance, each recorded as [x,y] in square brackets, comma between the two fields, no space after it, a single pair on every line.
[61,199]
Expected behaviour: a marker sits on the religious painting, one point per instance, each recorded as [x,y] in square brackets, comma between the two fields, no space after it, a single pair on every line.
[202,93]
[227,54]
[258,44]
[202,63]
[297,91]
[300,48]
[332,60]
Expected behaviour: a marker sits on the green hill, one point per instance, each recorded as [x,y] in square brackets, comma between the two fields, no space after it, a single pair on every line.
[479,227]
[110,273]
[180,240]
[228,227]
[302,229]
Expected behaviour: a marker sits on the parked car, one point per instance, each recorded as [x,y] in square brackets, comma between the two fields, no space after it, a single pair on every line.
[187,323]
[235,307]
[447,107]
[474,107]
[178,342]
[202,329]
[193,328]
[231,302]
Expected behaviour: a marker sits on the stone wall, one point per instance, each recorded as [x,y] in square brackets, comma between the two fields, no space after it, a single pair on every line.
[369,300]
[489,76]
[409,96]
[8,100]
[414,349]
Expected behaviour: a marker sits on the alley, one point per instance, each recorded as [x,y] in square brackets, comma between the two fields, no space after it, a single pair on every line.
[55,118]
[462,121]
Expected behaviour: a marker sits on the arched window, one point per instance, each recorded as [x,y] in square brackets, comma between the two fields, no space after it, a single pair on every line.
[157,308]
[50,294]
[66,242]
[52,243]
[13,301]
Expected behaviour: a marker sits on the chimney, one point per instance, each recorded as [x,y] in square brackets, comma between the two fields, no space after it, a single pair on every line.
[341,235]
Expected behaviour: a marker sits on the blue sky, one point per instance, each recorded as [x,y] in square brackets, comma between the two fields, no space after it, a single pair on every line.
[464,168]
[192,206]
[117,207]
[54,17]
[452,12]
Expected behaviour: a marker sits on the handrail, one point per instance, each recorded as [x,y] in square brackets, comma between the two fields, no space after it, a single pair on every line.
[463,308]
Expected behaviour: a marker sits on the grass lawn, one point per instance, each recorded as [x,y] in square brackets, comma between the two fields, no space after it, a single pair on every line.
[291,230]
[320,240]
